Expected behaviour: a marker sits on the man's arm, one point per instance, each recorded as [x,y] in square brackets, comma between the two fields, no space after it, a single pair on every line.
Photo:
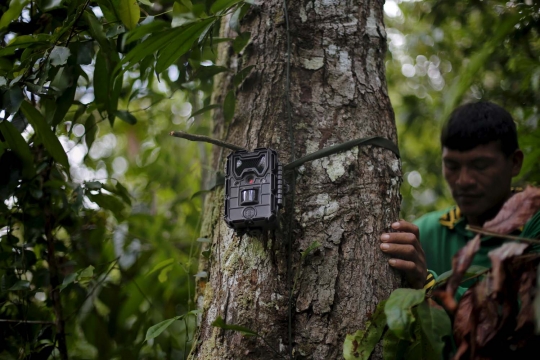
[406,252]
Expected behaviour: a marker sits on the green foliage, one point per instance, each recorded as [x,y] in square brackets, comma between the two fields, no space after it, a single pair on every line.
[96,215]
[399,313]
[360,345]
[415,329]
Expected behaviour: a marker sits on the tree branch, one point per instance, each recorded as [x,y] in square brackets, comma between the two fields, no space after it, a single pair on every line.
[207,139]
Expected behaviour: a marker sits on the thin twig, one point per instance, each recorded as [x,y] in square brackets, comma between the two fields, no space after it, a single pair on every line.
[203,138]
[27,321]
[503,236]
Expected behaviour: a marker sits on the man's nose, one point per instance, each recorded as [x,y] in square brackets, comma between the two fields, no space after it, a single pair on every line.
[465,178]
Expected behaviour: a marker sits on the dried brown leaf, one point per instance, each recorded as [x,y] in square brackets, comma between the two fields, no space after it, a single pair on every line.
[526,296]
[461,262]
[516,211]
[463,325]
[487,316]
[498,257]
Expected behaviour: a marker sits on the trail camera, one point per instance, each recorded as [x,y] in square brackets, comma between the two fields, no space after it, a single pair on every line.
[253,190]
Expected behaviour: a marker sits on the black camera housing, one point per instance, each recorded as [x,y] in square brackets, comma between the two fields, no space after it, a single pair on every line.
[253,190]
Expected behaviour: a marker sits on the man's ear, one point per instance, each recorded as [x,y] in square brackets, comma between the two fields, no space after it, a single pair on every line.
[517,162]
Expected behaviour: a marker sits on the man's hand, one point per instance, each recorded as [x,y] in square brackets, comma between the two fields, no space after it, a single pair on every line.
[406,252]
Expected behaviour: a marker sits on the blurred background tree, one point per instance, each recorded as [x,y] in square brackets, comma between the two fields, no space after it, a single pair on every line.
[102,208]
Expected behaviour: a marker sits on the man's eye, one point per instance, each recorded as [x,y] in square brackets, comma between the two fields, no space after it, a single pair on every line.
[480,165]
[451,165]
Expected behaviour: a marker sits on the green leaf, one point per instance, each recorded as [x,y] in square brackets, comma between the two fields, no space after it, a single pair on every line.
[15,8]
[241,41]
[237,16]
[24,41]
[242,75]
[17,143]
[221,5]
[20,285]
[204,240]
[161,265]
[205,109]
[90,130]
[63,103]
[229,105]
[398,310]
[180,44]
[93,185]
[360,345]
[59,55]
[220,323]
[472,271]
[435,325]
[145,29]
[123,193]
[95,29]
[205,72]
[48,138]
[12,99]
[86,273]
[68,280]
[129,12]
[108,202]
[314,245]
[101,81]
[126,116]
[393,347]
[156,330]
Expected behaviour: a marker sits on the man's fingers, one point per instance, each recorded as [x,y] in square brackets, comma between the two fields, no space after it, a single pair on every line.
[405,226]
[407,252]
[399,238]
[402,265]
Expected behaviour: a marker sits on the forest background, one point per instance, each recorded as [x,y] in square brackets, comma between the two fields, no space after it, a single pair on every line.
[126,233]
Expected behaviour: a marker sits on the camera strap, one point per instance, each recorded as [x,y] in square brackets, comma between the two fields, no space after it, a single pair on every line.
[327,151]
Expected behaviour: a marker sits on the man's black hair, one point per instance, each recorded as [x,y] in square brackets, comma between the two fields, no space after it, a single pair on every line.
[480,123]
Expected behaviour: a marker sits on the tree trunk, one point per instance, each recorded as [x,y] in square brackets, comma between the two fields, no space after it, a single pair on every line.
[343,202]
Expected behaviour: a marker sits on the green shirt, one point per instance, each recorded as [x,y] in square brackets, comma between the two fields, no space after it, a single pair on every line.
[442,234]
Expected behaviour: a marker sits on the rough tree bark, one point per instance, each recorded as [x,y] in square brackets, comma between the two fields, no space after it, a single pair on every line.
[344,202]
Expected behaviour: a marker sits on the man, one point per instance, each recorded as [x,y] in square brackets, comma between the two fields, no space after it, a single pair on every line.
[480,155]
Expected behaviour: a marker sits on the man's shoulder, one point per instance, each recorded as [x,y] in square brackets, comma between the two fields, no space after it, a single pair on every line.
[432,220]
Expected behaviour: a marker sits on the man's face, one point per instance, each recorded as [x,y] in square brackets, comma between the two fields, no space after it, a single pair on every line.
[480,178]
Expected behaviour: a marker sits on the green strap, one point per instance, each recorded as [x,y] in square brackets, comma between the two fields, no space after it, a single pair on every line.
[327,151]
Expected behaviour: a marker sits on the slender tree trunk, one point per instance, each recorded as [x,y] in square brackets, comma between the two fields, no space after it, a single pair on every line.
[343,202]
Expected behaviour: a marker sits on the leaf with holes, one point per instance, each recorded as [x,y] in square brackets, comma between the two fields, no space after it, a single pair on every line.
[360,345]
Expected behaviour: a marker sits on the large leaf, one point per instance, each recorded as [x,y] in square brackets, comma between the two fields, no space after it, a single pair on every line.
[59,55]
[360,345]
[47,136]
[435,325]
[180,44]
[128,11]
[516,211]
[393,347]
[17,143]
[398,310]
[473,270]
[20,285]
[101,82]
[63,103]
